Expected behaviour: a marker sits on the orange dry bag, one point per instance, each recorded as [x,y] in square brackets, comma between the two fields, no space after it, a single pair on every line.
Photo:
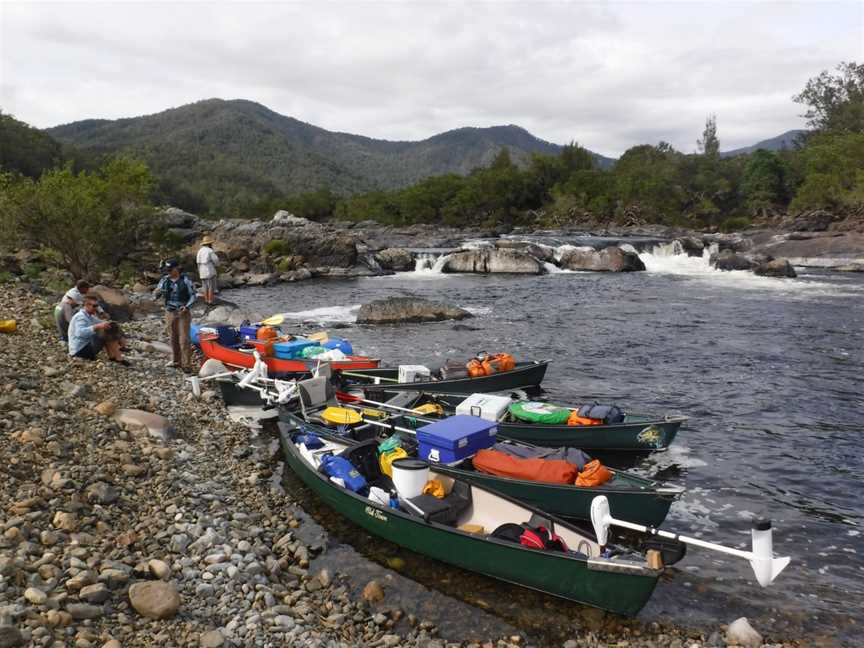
[594,474]
[552,471]
[575,419]
[475,368]
[499,362]
[267,333]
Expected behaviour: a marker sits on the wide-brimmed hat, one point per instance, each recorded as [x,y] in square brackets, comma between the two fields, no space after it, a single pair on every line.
[207,241]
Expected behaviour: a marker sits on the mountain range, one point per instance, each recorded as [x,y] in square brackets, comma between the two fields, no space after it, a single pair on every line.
[224,154]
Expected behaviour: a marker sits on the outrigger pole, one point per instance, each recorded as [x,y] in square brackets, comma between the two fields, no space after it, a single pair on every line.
[765,566]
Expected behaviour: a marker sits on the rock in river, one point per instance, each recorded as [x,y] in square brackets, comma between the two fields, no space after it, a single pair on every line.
[408,309]
[495,261]
[610,259]
[775,268]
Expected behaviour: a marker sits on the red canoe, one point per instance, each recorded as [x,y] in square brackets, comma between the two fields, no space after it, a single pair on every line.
[243,358]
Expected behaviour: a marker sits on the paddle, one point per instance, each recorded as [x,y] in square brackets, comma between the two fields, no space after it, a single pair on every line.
[765,566]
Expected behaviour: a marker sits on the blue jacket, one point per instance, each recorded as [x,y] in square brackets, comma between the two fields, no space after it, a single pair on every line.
[81,330]
[177,293]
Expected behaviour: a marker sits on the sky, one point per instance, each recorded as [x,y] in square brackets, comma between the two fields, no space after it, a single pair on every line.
[607,75]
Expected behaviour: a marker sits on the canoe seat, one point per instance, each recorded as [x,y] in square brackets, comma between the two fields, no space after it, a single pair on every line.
[316,394]
[443,511]
[364,457]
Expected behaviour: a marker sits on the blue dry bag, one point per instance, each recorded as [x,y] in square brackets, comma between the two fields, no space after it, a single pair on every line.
[343,469]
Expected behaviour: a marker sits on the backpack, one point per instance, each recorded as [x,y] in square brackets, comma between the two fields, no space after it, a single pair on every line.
[343,469]
[532,537]
[606,413]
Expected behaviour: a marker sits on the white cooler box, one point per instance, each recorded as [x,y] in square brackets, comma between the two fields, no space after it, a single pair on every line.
[414,373]
[486,406]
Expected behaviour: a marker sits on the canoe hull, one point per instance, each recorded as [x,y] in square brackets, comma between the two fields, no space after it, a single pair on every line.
[638,434]
[622,592]
[240,360]
[525,376]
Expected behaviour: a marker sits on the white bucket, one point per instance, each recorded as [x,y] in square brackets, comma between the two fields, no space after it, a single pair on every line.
[409,477]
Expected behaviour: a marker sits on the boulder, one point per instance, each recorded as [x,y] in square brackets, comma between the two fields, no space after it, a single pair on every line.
[176,217]
[775,268]
[817,220]
[729,260]
[211,367]
[408,309]
[229,315]
[398,259]
[114,301]
[287,219]
[10,636]
[157,426]
[691,245]
[537,250]
[373,592]
[610,259]
[493,260]
[154,599]
[741,633]
[263,279]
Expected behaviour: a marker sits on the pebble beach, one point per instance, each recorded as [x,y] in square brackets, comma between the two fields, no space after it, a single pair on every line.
[123,529]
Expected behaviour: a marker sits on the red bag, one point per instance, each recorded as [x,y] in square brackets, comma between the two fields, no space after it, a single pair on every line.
[552,471]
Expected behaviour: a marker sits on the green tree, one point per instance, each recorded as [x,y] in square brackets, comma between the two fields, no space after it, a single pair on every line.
[833,173]
[87,220]
[709,145]
[763,184]
[26,150]
[835,102]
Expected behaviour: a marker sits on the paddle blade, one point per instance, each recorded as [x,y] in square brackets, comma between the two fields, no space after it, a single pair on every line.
[767,569]
[600,517]
[273,320]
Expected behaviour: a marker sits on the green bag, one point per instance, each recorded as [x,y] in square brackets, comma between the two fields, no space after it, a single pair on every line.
[312,351]
[534,412]
[388,445]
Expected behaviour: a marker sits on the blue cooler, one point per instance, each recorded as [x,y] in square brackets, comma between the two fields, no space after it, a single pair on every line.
[227,334]
[291,350]
[338,343]
[455,438]
[249,331]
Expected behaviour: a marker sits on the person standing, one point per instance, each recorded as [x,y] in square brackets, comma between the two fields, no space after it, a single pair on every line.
[89,334]
[207,261]
[179,294]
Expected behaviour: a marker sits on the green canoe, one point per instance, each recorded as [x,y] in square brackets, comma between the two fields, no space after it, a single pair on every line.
[636,434]
[634,498]
[622,583]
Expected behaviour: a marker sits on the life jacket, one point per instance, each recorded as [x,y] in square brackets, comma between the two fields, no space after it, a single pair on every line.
[267,333]
[475,368]
[498,362]
[594,474]
[575,419]
[541,538]
[176,291]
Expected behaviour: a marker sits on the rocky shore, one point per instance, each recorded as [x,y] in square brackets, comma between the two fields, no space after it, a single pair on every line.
[121,528]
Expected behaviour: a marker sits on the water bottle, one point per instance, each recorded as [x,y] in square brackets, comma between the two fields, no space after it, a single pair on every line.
[394,499]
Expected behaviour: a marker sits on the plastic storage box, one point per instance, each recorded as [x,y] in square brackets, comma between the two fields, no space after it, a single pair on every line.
[249,332]
[414,373]
[291,350]
[455,438]
[227,334]
[486,406]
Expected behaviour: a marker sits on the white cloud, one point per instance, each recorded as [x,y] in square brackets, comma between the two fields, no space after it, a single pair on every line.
[607,75]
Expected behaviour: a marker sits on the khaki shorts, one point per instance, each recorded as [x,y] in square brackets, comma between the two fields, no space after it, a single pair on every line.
[210,284]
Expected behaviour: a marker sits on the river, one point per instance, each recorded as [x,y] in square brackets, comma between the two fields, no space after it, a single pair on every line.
[769,370]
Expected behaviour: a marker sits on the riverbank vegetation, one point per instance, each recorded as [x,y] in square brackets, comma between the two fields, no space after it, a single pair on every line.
[86,207]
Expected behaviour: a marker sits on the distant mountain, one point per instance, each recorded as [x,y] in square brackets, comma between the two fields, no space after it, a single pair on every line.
[787,140]
[235,151]
[26,150]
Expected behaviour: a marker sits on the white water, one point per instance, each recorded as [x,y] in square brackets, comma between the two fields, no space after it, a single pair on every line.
[326,314]
[427,266]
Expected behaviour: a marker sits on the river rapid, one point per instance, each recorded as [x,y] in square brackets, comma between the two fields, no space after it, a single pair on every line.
[769,370]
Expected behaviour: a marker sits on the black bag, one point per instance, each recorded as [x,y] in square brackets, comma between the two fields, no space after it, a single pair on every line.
[453,370]
[606,413]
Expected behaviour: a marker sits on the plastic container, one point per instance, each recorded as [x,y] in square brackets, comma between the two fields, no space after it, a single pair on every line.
[227,334]
[409,477]
[414,373]
[291,350]
[486,406]
[249,332]
[338,343]
[455,438]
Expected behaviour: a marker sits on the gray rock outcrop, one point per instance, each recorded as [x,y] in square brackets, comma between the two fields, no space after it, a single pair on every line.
[729,260]
[398,259]
[775,268]
[610,259]
[408,309]
[494,260]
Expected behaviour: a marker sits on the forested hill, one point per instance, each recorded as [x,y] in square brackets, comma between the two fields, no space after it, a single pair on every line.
[788,140]
[219,156]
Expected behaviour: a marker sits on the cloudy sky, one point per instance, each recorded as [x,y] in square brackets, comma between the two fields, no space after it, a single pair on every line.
[609,75]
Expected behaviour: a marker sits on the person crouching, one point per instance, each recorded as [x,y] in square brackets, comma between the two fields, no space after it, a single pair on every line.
[179,294]
[89,334]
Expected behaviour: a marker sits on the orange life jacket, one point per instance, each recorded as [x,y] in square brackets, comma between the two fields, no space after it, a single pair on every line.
[575,419]
[475,368]
[267,333]
[594,474]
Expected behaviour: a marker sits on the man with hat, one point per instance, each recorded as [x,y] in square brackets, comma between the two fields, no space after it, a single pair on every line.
[179,294]
[207,262]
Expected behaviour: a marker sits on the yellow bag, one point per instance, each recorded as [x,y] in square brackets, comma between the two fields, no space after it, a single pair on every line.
[8,326]
[429,408]
[385,461]
[434,488]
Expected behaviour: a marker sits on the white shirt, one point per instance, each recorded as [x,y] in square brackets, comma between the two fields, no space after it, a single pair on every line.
[207,261]
[74,295]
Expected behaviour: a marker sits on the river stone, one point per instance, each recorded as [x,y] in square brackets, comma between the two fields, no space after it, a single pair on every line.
[211,367]
[537,250]
[114,301]
[741,633]
[154,599]
[373,592]
[106,408]
[729,260]
[65,521]
[610,259]
[493,261]
[776,268]
[97,593]
[158,426]
[35,595]
[159,569]
[408,309]
[80,611]
[395,259]
[10,637]
[101,493]
[211,639]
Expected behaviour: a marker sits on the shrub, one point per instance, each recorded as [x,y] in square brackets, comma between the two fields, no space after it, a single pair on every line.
[735,224]
[277,248]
